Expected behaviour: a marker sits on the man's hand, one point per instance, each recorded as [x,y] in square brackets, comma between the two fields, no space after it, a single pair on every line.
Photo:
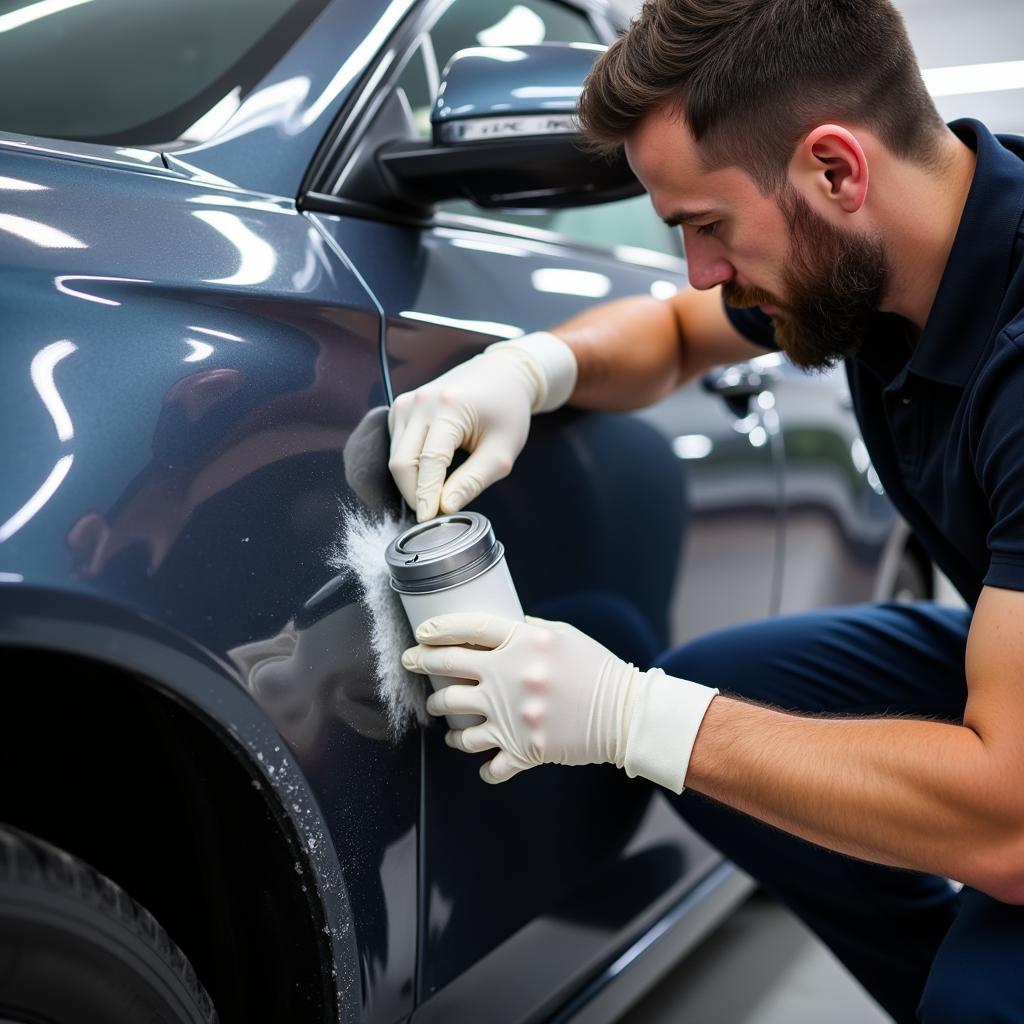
[484,406]
[550,694]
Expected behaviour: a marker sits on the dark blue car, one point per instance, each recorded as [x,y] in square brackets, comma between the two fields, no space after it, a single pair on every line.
[229,232]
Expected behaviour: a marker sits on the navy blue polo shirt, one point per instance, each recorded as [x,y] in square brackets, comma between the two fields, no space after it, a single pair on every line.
[944,423]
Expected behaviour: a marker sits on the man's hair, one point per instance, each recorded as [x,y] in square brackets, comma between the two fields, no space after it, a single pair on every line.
[751,77]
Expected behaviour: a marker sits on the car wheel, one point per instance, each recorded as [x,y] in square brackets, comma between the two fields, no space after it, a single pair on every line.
[911,582]
[75,947]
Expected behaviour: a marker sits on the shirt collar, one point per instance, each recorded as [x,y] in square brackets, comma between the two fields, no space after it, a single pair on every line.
[977,273]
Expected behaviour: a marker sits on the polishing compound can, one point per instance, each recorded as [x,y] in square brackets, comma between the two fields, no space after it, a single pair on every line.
[452,564]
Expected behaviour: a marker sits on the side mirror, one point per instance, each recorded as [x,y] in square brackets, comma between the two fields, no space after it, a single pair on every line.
[505,135]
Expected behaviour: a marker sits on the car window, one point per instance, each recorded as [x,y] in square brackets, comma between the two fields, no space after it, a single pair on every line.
[499,22]
[626,222]
[137,72]
[419,81]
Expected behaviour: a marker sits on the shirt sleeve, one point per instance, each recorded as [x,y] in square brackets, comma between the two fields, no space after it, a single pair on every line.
[754,325]
[999,464]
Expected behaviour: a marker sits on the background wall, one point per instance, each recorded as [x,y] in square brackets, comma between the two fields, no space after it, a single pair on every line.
[948,33]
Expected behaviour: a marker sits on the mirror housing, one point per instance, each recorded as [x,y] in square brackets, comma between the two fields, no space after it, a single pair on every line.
[505,135]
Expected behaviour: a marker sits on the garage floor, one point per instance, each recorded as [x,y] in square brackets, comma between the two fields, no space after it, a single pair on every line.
[762,966]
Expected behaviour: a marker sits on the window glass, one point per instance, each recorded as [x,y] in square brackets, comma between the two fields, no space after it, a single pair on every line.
[418,88]
[137,72]
[625,222]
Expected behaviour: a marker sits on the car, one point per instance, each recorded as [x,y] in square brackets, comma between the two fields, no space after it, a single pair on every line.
[229,234]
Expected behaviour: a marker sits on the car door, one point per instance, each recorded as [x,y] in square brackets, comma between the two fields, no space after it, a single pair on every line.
[529,887]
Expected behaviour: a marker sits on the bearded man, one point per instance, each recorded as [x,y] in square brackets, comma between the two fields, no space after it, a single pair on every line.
[875,751]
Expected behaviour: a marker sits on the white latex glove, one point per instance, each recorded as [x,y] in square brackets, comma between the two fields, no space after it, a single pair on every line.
[552,695]
[483,405]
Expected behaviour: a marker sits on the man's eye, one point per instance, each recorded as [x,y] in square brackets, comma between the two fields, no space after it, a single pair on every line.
[708,229]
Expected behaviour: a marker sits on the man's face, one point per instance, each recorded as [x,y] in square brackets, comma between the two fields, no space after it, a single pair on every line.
[820,283]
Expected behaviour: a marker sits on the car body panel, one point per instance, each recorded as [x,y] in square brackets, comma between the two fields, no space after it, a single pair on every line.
[126,157]
[37,619]
[183,367]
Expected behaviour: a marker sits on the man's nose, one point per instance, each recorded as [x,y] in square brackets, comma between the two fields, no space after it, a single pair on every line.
[704,272]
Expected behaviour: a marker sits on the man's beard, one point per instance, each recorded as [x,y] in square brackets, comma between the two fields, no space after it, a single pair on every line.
[834,282]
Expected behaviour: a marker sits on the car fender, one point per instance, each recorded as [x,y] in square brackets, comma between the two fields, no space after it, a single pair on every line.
[92,627]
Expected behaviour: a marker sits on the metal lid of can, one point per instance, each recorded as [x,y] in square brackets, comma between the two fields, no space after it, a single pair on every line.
[442,553]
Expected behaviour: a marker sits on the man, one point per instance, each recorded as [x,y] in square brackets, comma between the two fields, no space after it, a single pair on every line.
[821,197]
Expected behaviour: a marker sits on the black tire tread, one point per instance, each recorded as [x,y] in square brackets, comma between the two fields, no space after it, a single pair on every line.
[30,861]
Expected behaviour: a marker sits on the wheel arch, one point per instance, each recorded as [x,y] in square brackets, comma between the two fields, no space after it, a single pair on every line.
[139,752]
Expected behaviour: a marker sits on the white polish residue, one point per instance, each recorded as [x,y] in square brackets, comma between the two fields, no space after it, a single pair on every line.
[359,551]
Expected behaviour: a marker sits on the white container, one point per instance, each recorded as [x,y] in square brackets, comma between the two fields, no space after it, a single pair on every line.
[452,564]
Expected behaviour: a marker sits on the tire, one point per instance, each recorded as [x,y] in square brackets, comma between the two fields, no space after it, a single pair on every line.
[77,949]
[910,583]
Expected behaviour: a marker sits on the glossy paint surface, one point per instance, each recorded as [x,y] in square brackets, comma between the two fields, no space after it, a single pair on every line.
[183,367]
[487,81]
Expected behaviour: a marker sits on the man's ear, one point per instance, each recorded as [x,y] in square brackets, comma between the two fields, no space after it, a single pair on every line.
[831,160]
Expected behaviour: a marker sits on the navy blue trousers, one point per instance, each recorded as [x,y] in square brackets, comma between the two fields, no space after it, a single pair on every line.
[922,950]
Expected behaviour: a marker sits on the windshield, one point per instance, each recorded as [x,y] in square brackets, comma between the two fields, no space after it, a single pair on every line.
[137,72]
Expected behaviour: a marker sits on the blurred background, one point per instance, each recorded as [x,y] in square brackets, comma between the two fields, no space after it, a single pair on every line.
[951,39]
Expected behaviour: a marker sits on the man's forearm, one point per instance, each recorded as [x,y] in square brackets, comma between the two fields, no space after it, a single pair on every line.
[908,793]
[627,352]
